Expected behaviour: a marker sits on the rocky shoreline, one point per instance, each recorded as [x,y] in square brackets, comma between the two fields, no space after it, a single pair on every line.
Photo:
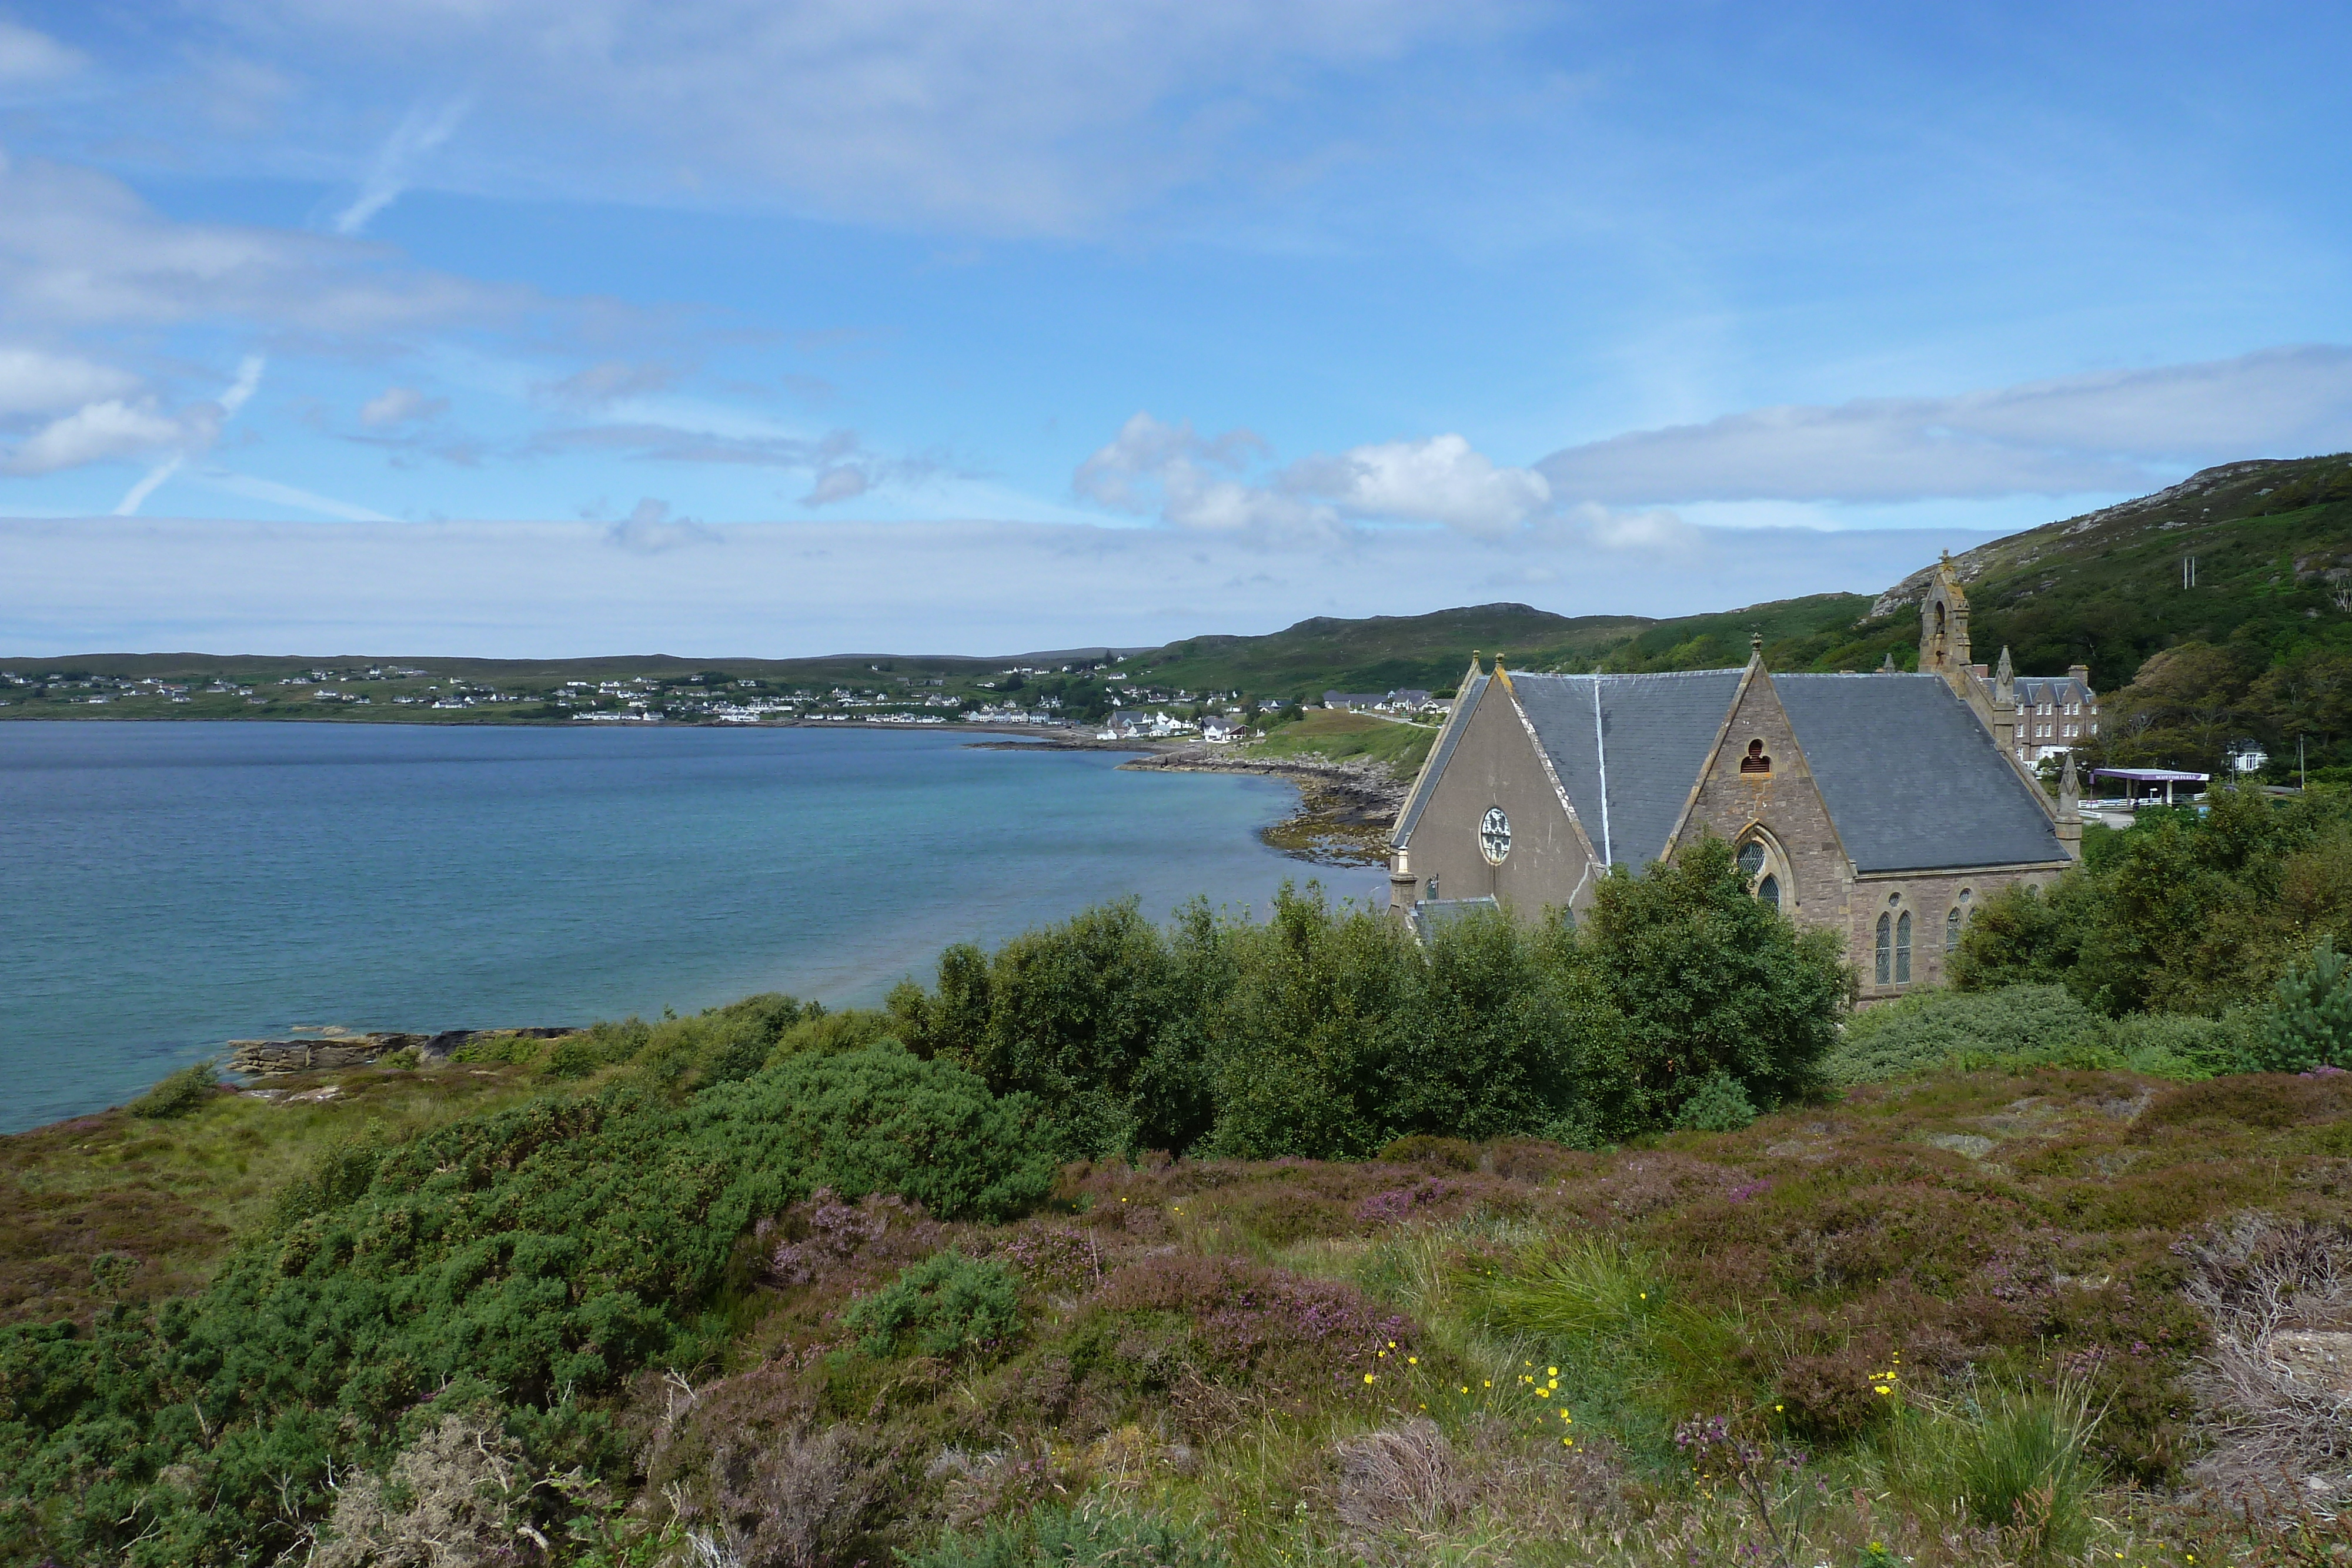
[261,1058]
[1345,808]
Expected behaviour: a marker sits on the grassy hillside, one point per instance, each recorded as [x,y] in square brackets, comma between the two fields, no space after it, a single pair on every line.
[1377,654]
[2105,590]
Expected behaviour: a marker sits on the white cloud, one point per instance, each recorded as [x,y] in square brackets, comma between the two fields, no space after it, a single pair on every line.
[33,380]
[28,58]
[797,589]
[419,132]
[2111,431]
[258,489]
[1439,480]
[399,406]
[1200,483]
[197,427]
[1039,118]
[605,383]
[649,529]
[95,433]
[841,482]
[80,250]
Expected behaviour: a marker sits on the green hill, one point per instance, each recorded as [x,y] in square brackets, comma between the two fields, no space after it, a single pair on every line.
[2108,588]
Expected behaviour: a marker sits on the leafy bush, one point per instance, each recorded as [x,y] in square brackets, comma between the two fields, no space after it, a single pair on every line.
[1328,1032]
[500,1051]
[177,1095]
[951,1304]
[1083,1538]
[2311,1023]
[2187,912]
[1704,978]
[1717,1105]
[1930,1029]
[543,1251]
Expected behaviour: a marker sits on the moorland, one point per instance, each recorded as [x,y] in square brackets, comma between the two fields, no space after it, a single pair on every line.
[1260,1242]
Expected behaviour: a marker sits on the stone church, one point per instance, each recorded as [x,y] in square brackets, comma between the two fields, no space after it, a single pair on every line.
[1886,806]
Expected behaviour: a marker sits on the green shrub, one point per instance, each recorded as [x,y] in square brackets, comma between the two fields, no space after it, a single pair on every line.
[544,1251]
[1717,1105]
[1705,978]
[499,1050]
[1929,1029]
[950,1305]
[177,1095]
[2182,1046]
[2310,1024]
[574,1058]
[2186,912]
[1083,1538]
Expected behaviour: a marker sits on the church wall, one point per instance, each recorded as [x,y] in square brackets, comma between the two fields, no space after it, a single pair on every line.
[1830,894]
[1929,896]
[1783,807]
[1495,763]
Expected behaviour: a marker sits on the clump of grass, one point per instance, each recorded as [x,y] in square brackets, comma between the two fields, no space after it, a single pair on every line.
[177,1095]
[2012,1459]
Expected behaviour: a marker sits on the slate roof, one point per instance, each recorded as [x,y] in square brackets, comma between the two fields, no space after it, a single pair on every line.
[2056,690]
[1911,778]
[1447,738]
[1651,737]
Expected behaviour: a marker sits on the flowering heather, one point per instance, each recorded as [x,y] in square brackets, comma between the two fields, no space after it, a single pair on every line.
[832,1233]
[1400,1202]
[1243,1312]
[1071,1259]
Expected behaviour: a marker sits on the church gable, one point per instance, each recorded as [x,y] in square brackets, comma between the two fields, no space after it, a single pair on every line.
[1757,790]
[1487,817]
[1626,748]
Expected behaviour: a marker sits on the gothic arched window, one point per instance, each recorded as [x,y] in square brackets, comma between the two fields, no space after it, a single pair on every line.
[1768,890]
[1951,928]
[1885,947]
[1750,859]
[1902,947]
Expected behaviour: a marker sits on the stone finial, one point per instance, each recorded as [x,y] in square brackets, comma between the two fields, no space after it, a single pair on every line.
[1888,668]
[2004,678]
[2070,809]
[1755,645]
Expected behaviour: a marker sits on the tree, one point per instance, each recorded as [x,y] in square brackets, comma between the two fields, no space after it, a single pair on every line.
[1705,979]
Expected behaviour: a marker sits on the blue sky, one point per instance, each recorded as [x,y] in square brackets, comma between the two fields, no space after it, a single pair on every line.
[596,325]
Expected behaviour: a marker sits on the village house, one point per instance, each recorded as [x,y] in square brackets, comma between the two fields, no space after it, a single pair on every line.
[1886,807]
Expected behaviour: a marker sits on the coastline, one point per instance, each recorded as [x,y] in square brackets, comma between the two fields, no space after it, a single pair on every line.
[1345,808]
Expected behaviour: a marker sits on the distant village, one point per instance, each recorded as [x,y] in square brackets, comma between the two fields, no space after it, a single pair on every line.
[1098,702]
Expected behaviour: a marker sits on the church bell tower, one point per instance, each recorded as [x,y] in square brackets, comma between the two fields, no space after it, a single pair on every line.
[1943,627]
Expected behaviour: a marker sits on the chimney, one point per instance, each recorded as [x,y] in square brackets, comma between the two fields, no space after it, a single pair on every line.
[2080,675]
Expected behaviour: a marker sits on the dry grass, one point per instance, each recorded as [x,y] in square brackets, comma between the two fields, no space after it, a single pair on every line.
[2274,1291]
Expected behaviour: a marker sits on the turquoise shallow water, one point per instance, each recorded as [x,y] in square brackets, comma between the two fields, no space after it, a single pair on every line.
[166,887]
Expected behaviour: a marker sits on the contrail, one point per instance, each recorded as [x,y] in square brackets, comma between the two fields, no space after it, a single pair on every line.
[418,133]
[239,392]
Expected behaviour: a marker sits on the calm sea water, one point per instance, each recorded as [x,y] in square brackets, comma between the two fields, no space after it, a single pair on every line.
[166,887]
